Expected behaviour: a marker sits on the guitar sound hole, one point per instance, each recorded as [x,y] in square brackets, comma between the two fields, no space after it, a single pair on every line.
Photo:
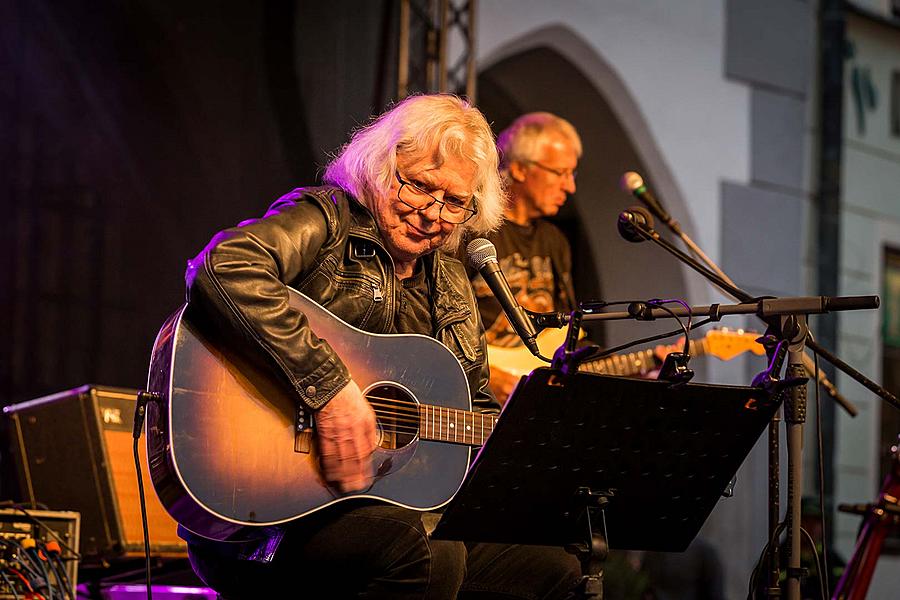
[397,413]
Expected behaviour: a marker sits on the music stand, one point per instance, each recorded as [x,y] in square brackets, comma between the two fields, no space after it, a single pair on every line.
[653,457]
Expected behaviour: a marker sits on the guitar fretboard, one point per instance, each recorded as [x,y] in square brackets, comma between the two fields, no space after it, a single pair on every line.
[454,425]
[637,362]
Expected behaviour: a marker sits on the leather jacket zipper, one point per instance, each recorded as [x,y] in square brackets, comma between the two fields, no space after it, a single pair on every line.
[377,291]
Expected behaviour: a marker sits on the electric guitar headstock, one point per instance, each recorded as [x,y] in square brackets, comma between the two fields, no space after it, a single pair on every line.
[727,343]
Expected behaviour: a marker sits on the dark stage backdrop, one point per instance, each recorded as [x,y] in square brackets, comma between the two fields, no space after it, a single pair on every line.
[130,132]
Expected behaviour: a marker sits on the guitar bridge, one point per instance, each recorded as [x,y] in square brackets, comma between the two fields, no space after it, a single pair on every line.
[303,442]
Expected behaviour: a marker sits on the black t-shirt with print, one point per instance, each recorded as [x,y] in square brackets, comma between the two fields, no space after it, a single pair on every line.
[537,262]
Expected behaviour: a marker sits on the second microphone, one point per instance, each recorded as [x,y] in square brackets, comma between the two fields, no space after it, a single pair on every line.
[483,257]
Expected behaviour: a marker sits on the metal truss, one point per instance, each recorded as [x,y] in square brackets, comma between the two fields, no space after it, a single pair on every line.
[437,47]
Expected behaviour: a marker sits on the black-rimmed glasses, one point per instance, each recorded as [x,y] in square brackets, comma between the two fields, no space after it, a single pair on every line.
[453,210]
[558,172]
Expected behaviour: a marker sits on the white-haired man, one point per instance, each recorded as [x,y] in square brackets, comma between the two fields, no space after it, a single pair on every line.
[373,246]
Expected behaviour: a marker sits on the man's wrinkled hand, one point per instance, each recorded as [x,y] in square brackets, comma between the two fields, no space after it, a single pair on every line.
[346,434]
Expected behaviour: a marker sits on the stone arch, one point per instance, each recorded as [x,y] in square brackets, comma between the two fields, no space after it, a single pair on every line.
[553,69]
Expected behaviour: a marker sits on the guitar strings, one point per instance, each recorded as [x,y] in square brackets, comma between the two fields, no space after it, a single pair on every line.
[452,435]
[455,432]
[410,420]
[409,417]
[408,424]
[446,423]
[414,409]
[387,407]
[399,405]
[620,364]
[474,437]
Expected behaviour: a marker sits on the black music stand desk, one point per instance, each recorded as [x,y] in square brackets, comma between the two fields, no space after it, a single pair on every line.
[654,456]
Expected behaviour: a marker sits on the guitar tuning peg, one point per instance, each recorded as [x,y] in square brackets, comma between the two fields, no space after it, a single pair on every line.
[767,341]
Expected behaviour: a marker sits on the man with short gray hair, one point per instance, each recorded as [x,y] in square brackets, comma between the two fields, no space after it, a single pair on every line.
[539,155]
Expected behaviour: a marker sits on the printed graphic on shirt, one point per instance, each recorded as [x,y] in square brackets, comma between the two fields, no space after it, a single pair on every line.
[532,283]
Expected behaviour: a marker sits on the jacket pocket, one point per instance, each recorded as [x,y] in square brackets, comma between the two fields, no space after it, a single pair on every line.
[359,296]
[353,297]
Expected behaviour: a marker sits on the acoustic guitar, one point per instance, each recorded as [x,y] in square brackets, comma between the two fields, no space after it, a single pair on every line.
[229,449]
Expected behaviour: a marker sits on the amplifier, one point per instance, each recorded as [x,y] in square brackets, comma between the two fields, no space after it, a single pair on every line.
[42,526]
[74,450]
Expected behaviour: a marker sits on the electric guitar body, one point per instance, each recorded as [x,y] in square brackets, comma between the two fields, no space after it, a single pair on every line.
[721,343]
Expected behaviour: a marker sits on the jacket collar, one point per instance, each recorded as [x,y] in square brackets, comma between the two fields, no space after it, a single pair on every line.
[362,223]
[450,305]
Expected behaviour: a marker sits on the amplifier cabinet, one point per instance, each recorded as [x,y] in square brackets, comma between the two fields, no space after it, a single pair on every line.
[74,452]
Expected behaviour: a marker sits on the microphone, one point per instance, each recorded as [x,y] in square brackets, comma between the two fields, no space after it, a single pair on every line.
[634,220]
[483,257]
[633,183]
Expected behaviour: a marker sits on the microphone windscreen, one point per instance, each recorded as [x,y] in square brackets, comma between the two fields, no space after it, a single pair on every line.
[642,215]
[631,181]
[480,251]
[636,217]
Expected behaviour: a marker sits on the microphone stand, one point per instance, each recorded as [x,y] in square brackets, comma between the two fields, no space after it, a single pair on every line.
[834,303]
[702,255]
[792,327]
[808,363]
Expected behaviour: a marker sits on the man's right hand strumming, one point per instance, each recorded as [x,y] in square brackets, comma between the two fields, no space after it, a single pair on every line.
[346,437]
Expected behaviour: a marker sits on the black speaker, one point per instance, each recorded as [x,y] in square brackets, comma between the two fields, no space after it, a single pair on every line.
[74,452]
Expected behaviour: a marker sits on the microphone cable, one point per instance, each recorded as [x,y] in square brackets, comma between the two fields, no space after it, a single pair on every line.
[9,584]
[140,482]
[652,338]
[31,550]
[51,551]
[687,329]
[140,412]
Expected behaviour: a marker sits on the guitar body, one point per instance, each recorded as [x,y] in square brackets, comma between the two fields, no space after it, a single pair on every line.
[518,360]
[223,444]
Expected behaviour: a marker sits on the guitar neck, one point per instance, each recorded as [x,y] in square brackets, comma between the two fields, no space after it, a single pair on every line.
[638,362]
[455,426]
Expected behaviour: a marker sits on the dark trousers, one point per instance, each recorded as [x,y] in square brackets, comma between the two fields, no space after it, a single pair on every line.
[380,551]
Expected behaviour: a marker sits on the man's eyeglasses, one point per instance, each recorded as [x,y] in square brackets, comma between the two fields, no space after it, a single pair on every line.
[573,173]
[453,210]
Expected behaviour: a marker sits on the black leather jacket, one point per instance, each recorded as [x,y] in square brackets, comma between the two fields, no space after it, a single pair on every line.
[325,244]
